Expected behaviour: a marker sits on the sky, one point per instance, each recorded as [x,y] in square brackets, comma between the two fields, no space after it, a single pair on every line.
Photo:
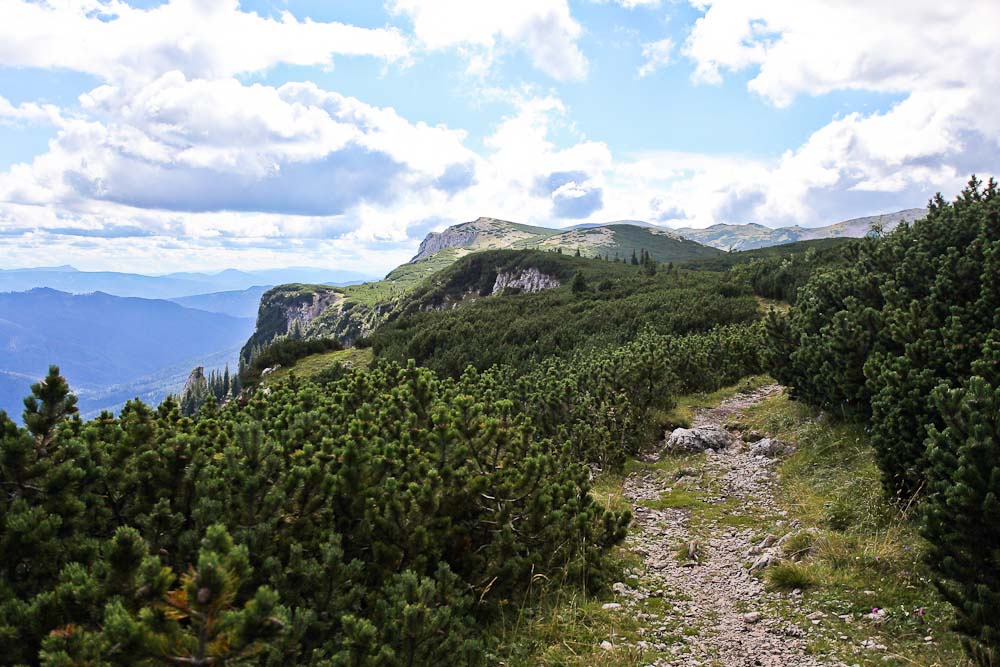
[165,135]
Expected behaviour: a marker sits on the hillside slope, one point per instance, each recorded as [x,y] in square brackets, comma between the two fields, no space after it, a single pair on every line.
[612,239]
[349,312]
[353,311]
[237,303]
[101,342]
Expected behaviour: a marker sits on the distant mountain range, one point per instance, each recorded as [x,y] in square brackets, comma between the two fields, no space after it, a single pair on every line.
[238,303]
[114,346]
[110,348]
[750,236]
[169,286]
[624,236]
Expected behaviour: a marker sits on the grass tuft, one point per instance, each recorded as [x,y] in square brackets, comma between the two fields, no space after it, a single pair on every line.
[787,576]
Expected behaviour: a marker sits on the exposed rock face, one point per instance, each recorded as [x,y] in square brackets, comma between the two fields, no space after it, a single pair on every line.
[306,312]
[699,439]
[196,382]
[526,280]
[485,232]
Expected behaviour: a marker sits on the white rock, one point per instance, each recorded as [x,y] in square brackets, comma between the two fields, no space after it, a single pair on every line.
[699,439]
[770,448]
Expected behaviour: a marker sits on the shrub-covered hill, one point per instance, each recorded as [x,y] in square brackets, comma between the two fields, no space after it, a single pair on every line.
[370,517]
[354,311]
[462,316]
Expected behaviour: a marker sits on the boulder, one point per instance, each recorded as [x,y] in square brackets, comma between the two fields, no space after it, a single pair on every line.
[771,448]
[765,561]
[699,439]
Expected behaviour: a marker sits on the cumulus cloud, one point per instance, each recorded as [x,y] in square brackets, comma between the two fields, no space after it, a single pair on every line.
[481,28]
[174,152]
[200,145]
[29,112]
[201,38]
[656,55]
[929,141]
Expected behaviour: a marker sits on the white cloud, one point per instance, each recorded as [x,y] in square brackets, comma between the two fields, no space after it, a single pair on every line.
[656,54]
[814,47]
[480,28]
[631,4]
[942,58]
[201,38]
[190,146]
[29,112]
[176,158]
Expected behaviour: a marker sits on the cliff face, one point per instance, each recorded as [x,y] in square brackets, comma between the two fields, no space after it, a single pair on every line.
[480,234]
[524,280]
[303,313]
[196,382]
[453,237]
[289,308]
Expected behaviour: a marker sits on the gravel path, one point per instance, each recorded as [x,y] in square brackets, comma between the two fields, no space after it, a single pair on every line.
[711,616]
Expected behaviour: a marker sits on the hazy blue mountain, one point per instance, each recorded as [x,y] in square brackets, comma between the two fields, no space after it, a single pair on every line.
[110,348]
[238,303]
[174,285]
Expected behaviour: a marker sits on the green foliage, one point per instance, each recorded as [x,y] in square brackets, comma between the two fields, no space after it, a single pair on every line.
[150,621]
[285,352]
[961,512]
[522,329]
[782,276]
[876,337]
[389,510]
[49,403]
[909,336]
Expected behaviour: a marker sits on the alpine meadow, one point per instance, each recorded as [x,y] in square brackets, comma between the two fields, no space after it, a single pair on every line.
[563,333]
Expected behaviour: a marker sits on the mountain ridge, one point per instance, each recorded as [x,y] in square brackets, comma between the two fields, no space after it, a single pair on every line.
[752,235]
[167,286]
[621,237]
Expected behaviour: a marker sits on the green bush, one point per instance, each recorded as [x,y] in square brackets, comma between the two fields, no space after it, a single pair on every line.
[909,337]
[961,513]
[389,512]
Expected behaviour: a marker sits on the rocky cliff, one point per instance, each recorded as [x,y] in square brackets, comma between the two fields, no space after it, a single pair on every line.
[289,309]
[524,280]
[482,233]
